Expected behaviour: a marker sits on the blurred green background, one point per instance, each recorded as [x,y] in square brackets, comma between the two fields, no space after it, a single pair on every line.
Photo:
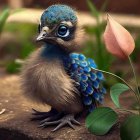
[17,39]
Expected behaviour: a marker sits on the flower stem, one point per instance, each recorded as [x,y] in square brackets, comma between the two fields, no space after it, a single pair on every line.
[137,98]
[136,81]
[130,61]
[126,110]
[116,77]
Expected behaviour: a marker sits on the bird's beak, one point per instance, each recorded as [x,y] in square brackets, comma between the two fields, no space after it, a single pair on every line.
[43,34]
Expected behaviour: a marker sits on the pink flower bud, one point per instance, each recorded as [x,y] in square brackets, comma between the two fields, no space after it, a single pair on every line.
[117,39]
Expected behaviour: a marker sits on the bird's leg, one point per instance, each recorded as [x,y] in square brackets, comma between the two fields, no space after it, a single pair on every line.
[37,115]
[65,120]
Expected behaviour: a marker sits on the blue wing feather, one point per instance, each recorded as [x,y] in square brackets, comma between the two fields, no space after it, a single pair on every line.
[89,81]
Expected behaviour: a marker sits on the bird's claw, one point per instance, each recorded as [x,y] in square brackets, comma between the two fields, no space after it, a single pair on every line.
[54,118]
[66,120]
[51,118]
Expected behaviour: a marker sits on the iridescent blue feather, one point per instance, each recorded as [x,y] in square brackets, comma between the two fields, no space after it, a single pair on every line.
[81,69]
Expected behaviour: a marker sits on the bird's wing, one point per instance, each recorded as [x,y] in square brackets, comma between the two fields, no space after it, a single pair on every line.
[89,81]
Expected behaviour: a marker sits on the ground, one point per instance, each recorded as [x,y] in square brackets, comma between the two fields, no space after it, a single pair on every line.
[15,122]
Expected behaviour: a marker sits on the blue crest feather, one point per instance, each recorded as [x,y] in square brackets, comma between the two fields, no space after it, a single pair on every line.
[58,13]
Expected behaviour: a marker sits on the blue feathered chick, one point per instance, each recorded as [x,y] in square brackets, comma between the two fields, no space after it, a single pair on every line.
[57,75]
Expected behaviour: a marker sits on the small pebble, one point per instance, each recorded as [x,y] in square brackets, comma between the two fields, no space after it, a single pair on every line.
[2,111]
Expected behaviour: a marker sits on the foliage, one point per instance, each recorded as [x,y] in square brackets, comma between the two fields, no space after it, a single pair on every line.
[116,90]
[96,46]
[12,67]
[101,120]
[25,32]
[3,17]
[130,128]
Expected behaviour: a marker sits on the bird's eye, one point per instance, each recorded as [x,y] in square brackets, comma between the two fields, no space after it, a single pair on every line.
[63,31]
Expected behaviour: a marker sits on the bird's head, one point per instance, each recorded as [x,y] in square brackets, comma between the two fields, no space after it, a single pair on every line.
[59,25]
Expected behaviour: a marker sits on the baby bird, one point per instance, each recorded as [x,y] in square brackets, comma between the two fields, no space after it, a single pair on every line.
[58,76]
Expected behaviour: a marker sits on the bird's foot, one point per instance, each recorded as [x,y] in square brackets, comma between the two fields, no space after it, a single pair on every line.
[66,120]
[37,115]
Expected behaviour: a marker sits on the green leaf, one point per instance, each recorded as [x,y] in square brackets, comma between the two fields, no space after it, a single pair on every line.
[100,121]
[115,92]
[93,9]
[130,129]
[3,18]
[13,67]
